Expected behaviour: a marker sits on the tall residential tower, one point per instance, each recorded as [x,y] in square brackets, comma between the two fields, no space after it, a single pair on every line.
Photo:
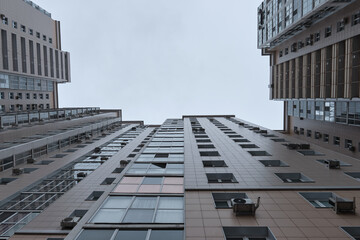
[314,50]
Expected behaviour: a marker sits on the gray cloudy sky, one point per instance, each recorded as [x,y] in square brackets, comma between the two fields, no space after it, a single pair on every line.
[159,59]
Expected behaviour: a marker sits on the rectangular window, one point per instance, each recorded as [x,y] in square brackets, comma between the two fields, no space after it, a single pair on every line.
[273,163]
[44,37]
[38,51]
[57,64]
[216,163]
[293,178]
[23,55]
[221,178]
[209,154]
[4,48]
[31,55]
[31,31]
[355,19]
[328,31]
[14,24]
[46,67]
[259,153]
[336,141]
[95,195]
[23,28]
[14,52]
[51,62]
[319,199]
[248,233]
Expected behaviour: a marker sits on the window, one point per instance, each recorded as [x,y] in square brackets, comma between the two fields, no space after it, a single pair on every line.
[23,28]
[273,163]
[310,153]
[223,200]
[140,234]
[328,31]
[4,181]
[326,161]
[206,146]
[118,170]
[317,37]
[203,140]
[50,40]
[221,178]
[44,37]
[326,137]
[2,95]
[95,195]
[5,20]
[34,96]
[217,163]
[156,168]
[248,146]
[41,96]
[308,133]
[317,135]
[320,199]
[280,53]
[43,162]
[241,140]
[31,32]
[294,178]
[278,140]
[11,95]
[14,24]
[340,26]
[286,51]
[263,233]
[259,153]
[209,154]
[108,181]
[98,234]
[355,175]
[336,141]
[348,143]
[37,34]
[355,19]
[150,209]
[302,130]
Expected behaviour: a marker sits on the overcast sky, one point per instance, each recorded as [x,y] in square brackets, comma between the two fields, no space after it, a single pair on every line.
[159,59]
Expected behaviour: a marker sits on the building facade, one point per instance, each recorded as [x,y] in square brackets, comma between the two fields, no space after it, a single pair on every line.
[32,63]
[313,46]
[196,177]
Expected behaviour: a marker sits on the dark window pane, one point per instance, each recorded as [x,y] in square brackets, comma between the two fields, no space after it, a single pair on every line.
[95,235]
[133,235]
[167,234]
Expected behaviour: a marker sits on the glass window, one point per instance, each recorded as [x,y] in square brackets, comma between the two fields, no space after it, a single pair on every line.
[144,202]
[117,202]
[102,234]
[109,216]
[169,216]
[133,235]
[139,215]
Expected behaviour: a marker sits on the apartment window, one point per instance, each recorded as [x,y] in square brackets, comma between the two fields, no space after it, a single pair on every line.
[223,200]
[11,95]
[247,233]
[320,199]
[328,161]
[310,153]
[259,153]
[286,51]
[206,146]
[355,19]
[308,133]
[340,26]
[151,209]
[2,95]
[273,163]
[27,95]
[4,48]
[336,141]
[209,154]
[23,28]
[19,96]
[309,40]
[41,96]
[47,106]
[31,31]
[118,170]
[317,37]
[37,34]
[141,234]
[241,140]
[14,52]
[14,24]
[348,143]
[326,137]
[12,108]
[4,181]
[280,53]
[47,96]
[248,146]
[34,96]
[300,44]
[44,37]
[302,130]
[216,163]
[328,31]
[23,55]
[50,40]
[95,195]
[203,140]
[5,20]
[43,162]
[293,178]
[31,56]
[108,181]
[221,178]
[28,107]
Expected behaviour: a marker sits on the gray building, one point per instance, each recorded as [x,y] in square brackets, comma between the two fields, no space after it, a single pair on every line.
[198,177]
[313,46]
[32,63]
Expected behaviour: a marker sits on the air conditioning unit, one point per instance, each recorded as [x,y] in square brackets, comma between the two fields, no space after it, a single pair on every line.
[17,171]
[30,160]
[97,150]
[292,146]
[342,205]
[333,164]
[123,163]
[244,206]
[81,175]
[69,222]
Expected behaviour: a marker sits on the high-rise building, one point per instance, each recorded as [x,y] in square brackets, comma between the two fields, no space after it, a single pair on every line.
[86,174]
[32,63]
[314,50]
[198,177]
